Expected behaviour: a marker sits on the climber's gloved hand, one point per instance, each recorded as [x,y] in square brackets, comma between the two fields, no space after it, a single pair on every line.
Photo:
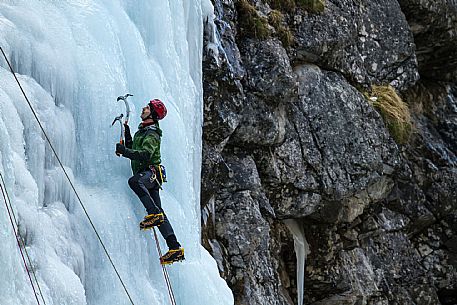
[120,148]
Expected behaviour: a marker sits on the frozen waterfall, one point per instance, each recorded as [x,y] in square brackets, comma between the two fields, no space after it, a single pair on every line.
[73,59]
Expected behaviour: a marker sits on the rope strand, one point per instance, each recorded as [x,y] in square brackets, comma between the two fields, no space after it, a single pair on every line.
[68,178]
[165,272]
[19,245]
[22,242]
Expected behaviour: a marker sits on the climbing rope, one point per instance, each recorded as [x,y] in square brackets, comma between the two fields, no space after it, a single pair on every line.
[16,230]
[19,245]
[165,272]
[68,178]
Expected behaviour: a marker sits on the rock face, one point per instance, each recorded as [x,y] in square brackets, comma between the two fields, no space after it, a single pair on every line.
[434,25]
[367,41]
[289,134]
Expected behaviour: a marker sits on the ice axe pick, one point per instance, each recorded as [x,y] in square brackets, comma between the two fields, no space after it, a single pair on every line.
[119,119]
[127,107]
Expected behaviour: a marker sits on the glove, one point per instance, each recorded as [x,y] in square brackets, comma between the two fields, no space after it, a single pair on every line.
[120,148]
[127,128]
[128,136]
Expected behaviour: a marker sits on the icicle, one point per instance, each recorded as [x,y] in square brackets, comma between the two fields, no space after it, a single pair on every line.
[301,250]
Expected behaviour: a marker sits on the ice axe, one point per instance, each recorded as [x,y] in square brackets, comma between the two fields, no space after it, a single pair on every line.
[127,107]
[119,119]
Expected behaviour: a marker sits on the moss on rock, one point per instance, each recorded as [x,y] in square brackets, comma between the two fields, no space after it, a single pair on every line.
[287,6]
[276,19]
[251,24]
[315,6]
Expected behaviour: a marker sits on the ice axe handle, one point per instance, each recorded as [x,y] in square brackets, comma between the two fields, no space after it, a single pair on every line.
[121,142]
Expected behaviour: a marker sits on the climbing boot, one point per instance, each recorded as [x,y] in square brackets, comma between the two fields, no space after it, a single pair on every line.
[172,256]
[152,220]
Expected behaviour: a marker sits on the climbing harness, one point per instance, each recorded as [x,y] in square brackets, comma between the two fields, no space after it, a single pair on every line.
[162,173]
[68,178]
[158,171]
[20,242]
[165,272]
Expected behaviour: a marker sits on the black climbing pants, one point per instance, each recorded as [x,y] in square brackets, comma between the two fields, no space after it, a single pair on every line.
[147,189]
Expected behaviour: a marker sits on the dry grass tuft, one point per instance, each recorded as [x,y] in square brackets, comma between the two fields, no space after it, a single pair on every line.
[393,110]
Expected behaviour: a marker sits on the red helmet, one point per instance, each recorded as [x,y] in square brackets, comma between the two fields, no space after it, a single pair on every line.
[158,109]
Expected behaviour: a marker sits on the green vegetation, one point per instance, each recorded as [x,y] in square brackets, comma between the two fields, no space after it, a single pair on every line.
[287,6]
[276,19]
[393,110]
[255,26]
[251,24]
[315,6]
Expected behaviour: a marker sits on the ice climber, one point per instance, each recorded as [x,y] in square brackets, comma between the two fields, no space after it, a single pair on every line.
[144,152]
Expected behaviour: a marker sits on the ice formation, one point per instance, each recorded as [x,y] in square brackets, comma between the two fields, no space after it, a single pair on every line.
[73,59]
[301,250]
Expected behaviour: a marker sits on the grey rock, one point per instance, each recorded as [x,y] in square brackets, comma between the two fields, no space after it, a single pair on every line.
[223,92]
[269,71]
[286,139]
[348,140]
[435,111]
[368,41]
[260,123]
[246,236]
[223,100]
[434,25]
[442,193]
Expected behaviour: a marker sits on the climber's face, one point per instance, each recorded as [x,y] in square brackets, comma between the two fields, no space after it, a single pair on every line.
[145,113]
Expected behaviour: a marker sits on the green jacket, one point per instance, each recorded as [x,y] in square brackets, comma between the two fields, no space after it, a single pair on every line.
[144,149]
